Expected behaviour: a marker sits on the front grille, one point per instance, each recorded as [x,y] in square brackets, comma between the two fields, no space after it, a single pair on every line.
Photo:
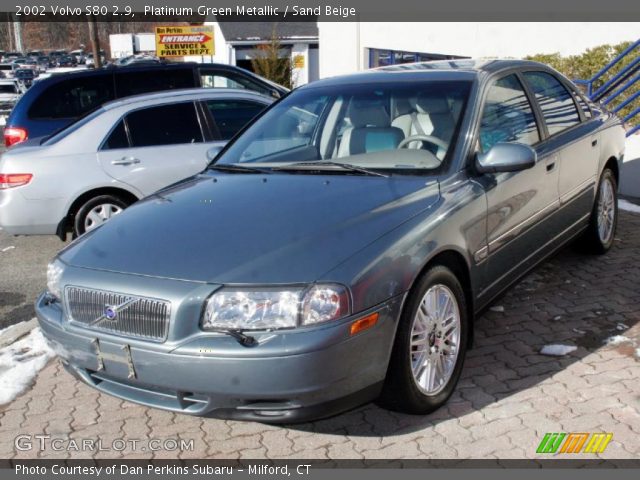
[141,317]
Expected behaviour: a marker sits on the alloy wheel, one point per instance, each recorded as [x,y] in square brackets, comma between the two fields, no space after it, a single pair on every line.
[435,340]
[606,210]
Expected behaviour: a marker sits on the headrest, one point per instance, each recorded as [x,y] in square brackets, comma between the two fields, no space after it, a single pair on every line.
[432,103]
[369,112]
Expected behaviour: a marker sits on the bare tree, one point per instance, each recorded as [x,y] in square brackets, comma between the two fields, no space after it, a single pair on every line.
[268,63]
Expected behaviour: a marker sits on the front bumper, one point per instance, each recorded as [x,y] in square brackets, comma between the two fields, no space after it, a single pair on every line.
[288,377]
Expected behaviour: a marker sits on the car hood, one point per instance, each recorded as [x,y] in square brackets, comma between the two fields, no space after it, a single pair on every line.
[252,229]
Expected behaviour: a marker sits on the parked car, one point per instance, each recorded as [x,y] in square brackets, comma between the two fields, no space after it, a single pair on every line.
[43,63]
[10,92]
[141,144]
[67,61]
[90,60]
[338,250]
[10,57]
[55,102]
[7,69]
[25,76]
[79,55]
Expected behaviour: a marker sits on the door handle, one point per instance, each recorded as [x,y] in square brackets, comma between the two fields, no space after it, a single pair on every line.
[125,161]
[594,142]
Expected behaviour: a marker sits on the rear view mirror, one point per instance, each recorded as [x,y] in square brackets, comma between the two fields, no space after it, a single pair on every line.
[506,157]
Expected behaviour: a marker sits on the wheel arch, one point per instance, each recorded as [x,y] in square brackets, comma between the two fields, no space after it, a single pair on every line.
[67,221]
[456,261]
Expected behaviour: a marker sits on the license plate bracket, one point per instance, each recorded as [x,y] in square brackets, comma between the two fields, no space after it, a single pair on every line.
[127,359]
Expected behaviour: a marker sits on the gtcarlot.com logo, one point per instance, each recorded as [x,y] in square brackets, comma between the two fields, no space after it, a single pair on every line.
[574,442]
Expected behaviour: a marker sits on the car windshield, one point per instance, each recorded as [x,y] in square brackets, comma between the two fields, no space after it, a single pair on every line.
[356,125]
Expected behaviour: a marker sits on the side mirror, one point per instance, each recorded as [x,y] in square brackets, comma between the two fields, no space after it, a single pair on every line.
[213,152]
[506,157]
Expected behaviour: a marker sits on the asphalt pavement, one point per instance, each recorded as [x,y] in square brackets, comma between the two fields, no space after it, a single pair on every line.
[23,274]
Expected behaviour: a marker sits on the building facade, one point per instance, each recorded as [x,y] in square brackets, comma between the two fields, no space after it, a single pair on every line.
[347,47]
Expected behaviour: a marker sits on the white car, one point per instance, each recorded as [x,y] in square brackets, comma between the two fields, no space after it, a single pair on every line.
[125,150]
[10,92]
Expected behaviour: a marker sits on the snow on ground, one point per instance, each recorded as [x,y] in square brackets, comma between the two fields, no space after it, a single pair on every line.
[20,362]
[557,350]
[628,206]
[617,340]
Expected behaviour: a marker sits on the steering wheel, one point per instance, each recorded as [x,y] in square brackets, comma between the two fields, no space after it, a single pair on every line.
[424,138]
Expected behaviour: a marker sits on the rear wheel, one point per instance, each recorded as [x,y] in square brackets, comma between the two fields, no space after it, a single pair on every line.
[604,217]
[97,211]
[430,345]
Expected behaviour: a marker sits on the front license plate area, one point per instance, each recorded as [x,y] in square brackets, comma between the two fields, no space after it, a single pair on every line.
[114,358]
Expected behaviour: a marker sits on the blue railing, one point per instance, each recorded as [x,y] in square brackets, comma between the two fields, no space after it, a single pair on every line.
[615,87]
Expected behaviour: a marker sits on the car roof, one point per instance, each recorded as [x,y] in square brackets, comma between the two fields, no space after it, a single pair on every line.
[456,69]
[166,96]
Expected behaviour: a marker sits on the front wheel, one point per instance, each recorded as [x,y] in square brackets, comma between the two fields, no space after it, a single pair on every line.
[600,233]
[430,345]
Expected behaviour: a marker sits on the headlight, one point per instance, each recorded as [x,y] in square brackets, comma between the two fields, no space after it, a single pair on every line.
[54,274]
[240,309]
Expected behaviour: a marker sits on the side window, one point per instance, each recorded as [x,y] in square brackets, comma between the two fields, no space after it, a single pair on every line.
[584,106]
[556,103]
[231,115]
[153,80]
[164,125]
[117,138]
[507,115]
[73,97]
[221,79]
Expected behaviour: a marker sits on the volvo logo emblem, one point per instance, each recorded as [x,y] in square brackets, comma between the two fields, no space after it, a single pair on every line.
[110,312]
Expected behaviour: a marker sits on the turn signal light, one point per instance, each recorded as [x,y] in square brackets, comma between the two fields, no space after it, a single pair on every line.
[10,180]
[364,323]
[14,135]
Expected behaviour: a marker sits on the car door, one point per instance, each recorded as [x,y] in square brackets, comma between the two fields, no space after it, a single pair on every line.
[155,146]
[519,204]
[575,142]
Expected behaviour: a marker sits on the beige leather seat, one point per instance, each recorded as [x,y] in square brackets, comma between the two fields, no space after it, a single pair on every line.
[371,129]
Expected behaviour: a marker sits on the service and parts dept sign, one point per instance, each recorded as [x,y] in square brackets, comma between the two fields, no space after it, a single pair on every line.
[183,41]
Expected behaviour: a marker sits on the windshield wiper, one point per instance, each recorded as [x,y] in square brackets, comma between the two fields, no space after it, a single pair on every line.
[345,166]
[234,167]
[244,340]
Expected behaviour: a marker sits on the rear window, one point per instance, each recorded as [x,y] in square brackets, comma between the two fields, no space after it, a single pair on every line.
[117,138]
[133,83]
[8,89]
[72,97]
[164,125]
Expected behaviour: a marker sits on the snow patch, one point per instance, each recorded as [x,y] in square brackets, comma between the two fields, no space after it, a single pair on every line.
[628,206]
[497,308]
[617,340]
[557,350]
[6,249]
[20,362]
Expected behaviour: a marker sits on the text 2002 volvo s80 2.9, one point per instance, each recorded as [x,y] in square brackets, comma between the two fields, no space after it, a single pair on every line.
[338,250]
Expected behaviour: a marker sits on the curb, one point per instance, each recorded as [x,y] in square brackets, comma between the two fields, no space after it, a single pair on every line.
[17,332]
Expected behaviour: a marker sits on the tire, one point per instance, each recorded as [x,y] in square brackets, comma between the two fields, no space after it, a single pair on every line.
[96,211]
[604,216]
[408,393]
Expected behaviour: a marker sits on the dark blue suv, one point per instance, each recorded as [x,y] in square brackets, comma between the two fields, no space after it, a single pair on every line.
[53,103]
